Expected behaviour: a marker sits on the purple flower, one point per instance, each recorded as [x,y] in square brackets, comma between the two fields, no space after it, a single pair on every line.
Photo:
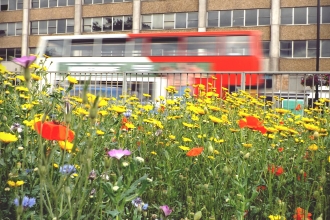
[25,61]
[119,153]
[26,202]
[137,202]
[67,169]
[167,211]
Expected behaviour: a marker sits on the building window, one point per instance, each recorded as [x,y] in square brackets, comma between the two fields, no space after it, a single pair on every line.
[51,3]
[7,53]
[52,26]
[87,2]
[250,17]
[305,15]
[325,15]
[325,48]
[265,48]
[303,49]
[170,21]
[102,24]
[10,29]
[33,50]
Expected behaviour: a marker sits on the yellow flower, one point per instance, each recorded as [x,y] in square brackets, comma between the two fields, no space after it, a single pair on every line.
[15,184]
[186,139]
[184,148]
[72,80]
[99,132]
[146,95]
[282,111]
[7,137]
[215,119]
[153,153]
[247,145]
[211,157]
[20,77]
[129,125]
[276,217]
[311,127]
[27,106]
[102,103]
[188,125]
[172,137]
[118,109]
[216,152]
[35,77]
[66,145]
[313,147]
[55,165]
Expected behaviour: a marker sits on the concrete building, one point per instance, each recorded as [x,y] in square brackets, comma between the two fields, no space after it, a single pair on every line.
[288,26]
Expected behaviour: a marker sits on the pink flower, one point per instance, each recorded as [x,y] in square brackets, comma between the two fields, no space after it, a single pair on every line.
[24,61]
[119,153]
[167,211]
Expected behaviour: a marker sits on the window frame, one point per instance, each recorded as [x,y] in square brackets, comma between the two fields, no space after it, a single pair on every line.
[6,24]
[48,3]
[48,26]
[307,49]
[16,53]
[307,15]
[232,18]
[90,25]
[103,2]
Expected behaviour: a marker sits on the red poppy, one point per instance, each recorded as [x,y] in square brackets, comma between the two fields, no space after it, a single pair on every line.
[252,123]
[276,170]
[305,176]
[195,151]
[280,149]
[53,131]
[302,214]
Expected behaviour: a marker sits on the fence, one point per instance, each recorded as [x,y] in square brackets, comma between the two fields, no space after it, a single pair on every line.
[303,86]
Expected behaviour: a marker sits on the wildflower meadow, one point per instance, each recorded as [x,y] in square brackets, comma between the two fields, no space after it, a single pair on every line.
[200,156]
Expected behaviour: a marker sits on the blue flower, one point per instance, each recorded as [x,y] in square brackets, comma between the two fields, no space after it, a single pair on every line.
[128,113]
[67,169]
[26,202]
[145,207]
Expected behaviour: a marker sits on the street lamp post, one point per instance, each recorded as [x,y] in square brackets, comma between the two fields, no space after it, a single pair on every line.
[318,46]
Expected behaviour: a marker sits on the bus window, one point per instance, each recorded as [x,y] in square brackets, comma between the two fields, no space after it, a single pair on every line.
[82,47]
[237,46]
[164,46]
[201,46]
[55,48]
[134,47]
[113,47]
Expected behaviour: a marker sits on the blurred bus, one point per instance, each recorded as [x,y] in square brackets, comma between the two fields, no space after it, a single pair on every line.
[168,55]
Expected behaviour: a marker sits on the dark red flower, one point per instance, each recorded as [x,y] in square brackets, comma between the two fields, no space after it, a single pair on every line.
[53,131]
[261,188]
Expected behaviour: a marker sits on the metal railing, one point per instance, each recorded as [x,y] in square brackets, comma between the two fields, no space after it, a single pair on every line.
[283,85]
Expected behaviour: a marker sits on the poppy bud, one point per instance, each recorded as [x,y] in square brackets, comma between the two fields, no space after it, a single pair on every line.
[316,134]
[67,118]
[246,156]
[316,194]
[198,215]
[67,190]
[226,170]
[210,148]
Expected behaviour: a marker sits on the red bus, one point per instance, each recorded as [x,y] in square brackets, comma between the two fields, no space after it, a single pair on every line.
[162,54]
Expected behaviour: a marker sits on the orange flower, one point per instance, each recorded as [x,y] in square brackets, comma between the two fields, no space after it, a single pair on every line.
[195,151]
[302,214]
[298,107]
[252,123]
[53,131]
